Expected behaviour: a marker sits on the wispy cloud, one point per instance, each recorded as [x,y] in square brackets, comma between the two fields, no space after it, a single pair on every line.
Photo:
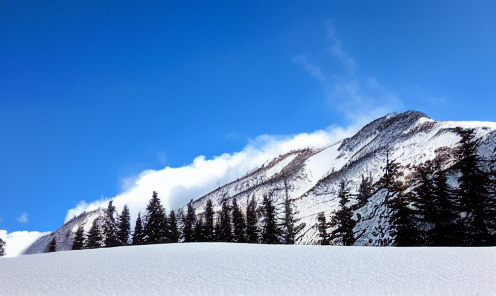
[314,70]
[23,218]
[337,49]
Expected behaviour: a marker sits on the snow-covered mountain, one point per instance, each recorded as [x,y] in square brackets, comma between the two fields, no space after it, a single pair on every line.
[310,176]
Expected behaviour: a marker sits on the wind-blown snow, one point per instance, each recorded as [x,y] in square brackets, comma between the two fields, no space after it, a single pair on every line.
[243,269]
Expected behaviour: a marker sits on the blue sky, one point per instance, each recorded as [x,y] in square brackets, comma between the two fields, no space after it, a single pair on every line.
[93,93]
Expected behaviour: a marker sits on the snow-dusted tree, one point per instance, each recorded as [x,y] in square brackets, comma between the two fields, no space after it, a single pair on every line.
[52,246]
[252,231]
[78,243]
[208,229]
[188,223]
[365,190]
[2,247]
[239,223]
[124,227]
[173,231]
[342,221]
[155,231]
[199,232]
[403,221]
[225,234]
[110,227]
[271,231]
[138,236]
[291,228]
[322,225]
[94,237]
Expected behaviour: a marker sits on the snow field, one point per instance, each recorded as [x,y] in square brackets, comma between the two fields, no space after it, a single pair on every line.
[243,269]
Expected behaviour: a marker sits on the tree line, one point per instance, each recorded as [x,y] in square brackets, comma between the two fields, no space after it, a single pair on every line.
[436,207]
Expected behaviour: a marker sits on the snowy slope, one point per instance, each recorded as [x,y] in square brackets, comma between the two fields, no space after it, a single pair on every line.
[242,269]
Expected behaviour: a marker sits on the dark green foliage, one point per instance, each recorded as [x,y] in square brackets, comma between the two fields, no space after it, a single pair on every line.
[188,222]
[94,237]
[290,227]
[138,235]
[199,233]
[52,246]
[342,221]
[124,229]
[365,190]
[403,222]
[239,223]
[225,234]
[252,231]
[271,231]
[78,243]
[155,230]
[173,231]
[2,247]
[389,179]
[208,231]
[322,226]
[478,224]
[110,228]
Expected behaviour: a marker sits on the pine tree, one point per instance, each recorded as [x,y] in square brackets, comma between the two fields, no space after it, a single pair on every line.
[322,226]
[208,231]
[2,247]
[478,225]
[252,231]
[403,223]
[138,235]
[189,221]
[225,224]
[290,227]
[110,228]
[174,233]
[94,237]
[199,233]
[78,243]
[52,247]
[239,223]
[271,231]
[365,190]
[342,221]
[124,229]
[155,230]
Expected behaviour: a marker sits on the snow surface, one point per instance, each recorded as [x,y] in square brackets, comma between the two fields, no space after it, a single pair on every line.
[243,269]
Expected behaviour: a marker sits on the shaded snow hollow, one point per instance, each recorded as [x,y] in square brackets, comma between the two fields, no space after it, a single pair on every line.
[243,269]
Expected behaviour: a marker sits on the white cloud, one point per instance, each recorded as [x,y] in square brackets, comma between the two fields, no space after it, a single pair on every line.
[18,241]
[314,70]
[337,49]
[23,218]
[176,186]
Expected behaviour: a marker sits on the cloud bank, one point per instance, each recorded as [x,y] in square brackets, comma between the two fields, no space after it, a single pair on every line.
[18,241]
[177,186]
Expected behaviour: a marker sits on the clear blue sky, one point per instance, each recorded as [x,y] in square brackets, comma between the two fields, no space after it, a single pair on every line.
[94,91]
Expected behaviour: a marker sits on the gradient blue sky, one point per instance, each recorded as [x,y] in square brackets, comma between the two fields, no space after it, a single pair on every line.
[92,92]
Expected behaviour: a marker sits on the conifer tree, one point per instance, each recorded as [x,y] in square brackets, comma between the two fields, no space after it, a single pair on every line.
[225,234]
[271,231]
[2,247]
[322,226]
[94,237]
[239,223]
[252,231]
[208,230]
[199,233]
[290,227]
[52,247]
[155,230]
[78,243]
[138,235]
[478,223]
[174,233]
[342,221]
[403,224]
[188,222]
[110,227]
[365,190]
[124,229]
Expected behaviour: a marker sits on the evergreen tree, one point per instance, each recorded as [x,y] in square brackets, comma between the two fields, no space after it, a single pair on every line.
[342,221]
[174,233]
[322,226]
[155,231]
[474,194]
[271,231]
[110,227]
[208,231]
[2,247]
[403,224]
[199,233]
[94,237]
[189,221]
[290,227]
[239,223]
[124,229]
[78,243]
[138,235]
[52,247]
[365,190]
[225,234]
[252,231]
